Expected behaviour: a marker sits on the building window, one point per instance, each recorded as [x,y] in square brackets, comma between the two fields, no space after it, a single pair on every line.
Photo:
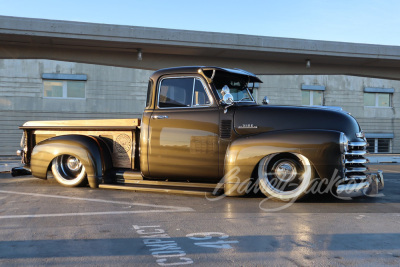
[64,89]
[377,100]
[312,95]
[64,86]
[312,98]
[379,142]
[378,97]
[379,145]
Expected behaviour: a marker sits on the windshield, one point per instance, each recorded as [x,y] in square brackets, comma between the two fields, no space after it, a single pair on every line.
[237,87]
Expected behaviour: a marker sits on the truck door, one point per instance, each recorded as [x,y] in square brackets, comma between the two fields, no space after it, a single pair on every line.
[183,132]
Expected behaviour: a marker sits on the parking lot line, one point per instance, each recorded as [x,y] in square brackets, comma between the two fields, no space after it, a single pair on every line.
[159,208]
[98,200]
[85,214]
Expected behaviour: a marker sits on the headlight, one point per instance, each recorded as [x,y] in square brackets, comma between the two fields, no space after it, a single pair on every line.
[344,143]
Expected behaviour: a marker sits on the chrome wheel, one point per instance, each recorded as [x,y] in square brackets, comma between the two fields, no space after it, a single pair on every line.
[68,170]
[285,178]
[285,171]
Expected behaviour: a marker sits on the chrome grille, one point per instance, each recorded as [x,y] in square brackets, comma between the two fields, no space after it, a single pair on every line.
[354,161]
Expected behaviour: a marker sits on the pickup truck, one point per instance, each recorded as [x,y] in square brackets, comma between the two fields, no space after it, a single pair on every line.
[202,131]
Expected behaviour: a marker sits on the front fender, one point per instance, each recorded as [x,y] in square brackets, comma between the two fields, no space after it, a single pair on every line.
[321,147]
[91,151]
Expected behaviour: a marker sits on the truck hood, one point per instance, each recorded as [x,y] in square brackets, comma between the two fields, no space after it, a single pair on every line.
[258,119]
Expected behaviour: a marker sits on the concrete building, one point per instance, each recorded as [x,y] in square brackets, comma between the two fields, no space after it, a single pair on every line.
[107,92]
[69,70]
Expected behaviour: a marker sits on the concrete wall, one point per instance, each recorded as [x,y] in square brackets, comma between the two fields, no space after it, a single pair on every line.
[111,92]
[340,90]
[114,92]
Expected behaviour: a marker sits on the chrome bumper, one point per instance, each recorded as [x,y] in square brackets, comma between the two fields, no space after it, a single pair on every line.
[373,184]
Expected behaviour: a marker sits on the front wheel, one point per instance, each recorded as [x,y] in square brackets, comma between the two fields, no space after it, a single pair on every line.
[68,171]
[285,177]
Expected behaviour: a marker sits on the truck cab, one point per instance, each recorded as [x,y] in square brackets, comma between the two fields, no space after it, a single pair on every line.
[186,126]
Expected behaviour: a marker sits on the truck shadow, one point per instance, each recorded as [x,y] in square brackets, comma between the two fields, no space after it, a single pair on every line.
[103,247]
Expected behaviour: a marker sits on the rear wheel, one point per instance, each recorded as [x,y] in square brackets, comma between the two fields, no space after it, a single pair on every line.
[285,177]
[69,171]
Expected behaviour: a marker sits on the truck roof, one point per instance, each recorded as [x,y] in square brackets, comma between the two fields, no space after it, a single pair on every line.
[197,69]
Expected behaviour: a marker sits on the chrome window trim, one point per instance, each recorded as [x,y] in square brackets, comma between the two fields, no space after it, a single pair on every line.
[248,91]
[191,104]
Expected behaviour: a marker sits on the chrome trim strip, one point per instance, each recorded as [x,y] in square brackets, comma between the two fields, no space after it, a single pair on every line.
[248,91]
[358,143]
[356,161]
[356,169]
[356,153]
[381,182]
[352,190]
[355,177]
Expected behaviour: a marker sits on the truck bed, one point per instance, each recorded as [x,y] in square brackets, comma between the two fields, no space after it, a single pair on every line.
[120,135]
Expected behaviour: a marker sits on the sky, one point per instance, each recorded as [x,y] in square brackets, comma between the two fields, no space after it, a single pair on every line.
[357,21]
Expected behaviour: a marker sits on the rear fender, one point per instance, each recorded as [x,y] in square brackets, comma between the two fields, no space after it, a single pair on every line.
[90,150]
[321,147]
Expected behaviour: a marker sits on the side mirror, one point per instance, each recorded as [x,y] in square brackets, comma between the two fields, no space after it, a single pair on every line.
[265,100]
[225,90]
[227,100]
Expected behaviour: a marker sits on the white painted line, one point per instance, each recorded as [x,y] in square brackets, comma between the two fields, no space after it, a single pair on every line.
[84,214]
[174,208]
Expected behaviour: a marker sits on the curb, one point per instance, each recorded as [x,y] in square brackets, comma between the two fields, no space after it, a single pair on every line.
[383,158]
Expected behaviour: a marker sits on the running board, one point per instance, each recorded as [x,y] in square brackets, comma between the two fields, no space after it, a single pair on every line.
[168,187]
[127,175]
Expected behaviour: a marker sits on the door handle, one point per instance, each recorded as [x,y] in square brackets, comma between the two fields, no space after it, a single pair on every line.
[159,117]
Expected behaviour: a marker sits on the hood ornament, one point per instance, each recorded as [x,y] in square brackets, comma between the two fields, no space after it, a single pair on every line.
[265,100]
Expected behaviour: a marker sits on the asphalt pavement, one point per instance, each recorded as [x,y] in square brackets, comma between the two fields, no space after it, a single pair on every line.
[43,223]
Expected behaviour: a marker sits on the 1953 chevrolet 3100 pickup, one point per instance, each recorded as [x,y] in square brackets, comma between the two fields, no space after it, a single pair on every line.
[201,130]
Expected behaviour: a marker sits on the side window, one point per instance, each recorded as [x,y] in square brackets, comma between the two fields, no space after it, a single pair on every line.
[200,97]
[176,92]
[182,92]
